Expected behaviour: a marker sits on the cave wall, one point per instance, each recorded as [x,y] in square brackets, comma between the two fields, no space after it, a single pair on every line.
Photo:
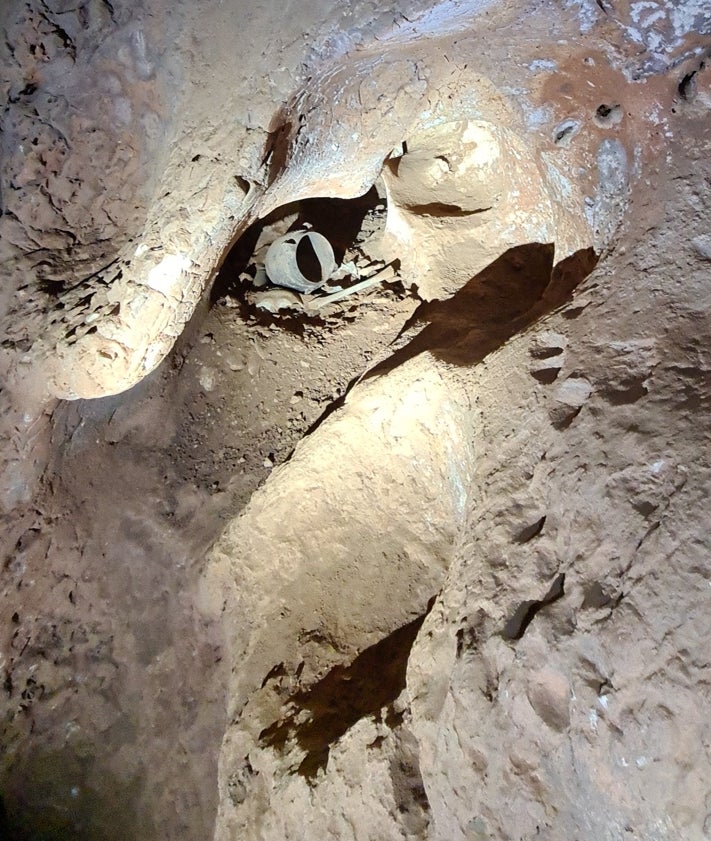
[124,184]
[430,566]
[557,682]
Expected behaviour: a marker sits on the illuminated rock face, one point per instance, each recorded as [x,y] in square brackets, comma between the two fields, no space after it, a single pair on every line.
[140,140]
[429,562]
[462,195]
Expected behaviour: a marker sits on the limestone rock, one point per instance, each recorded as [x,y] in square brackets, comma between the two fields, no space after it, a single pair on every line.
[433,565]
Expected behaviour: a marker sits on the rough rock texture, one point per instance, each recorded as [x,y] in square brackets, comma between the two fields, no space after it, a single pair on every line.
[558,686]
[123,184]
[599,699]
[429,564]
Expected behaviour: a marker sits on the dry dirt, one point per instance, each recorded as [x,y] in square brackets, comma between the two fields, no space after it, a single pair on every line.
[103,669]
[542,668]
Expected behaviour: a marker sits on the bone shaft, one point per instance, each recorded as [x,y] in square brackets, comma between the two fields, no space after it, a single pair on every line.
[378,277]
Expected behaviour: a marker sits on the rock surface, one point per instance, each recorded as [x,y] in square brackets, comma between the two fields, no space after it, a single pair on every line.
[558,684]
[431,563]
[124,185]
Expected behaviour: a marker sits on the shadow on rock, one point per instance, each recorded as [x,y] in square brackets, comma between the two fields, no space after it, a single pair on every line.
[319,716]
[515,291]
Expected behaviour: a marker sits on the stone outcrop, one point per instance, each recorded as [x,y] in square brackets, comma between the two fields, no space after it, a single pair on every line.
[124,185]
[428,561]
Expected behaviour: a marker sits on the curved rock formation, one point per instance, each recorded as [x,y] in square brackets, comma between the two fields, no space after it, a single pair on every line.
[423,557]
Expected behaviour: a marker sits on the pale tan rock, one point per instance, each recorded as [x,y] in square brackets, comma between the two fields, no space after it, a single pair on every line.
[462,194]
[473,601]
[170,179]
[569,398]
[549,694]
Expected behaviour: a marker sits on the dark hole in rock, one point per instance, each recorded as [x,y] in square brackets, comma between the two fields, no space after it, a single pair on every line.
[565,131]
[607,115]
[545,352]
[351,226]
[573,312]
[444,210]
[524,614]
[618,395]
[687,86]
[546,376]
[531,531]
[308,262]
